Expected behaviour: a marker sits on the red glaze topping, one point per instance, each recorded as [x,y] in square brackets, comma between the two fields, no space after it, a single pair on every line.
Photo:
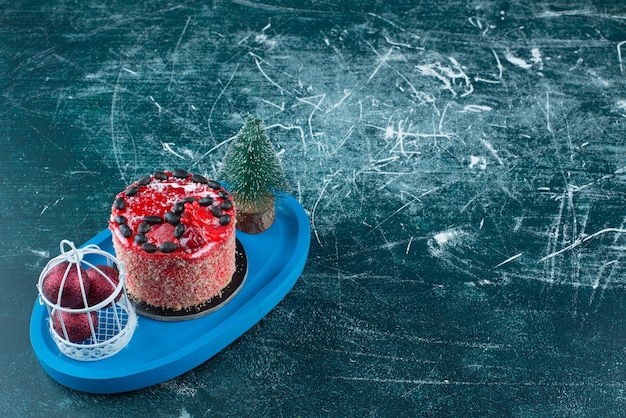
[172,212]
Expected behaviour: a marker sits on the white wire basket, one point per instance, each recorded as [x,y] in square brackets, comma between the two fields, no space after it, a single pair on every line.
[104,328]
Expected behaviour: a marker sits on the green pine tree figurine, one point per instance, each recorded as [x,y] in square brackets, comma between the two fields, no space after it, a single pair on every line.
[254,176]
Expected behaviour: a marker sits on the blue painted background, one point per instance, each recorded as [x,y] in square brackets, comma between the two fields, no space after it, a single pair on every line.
[463,165]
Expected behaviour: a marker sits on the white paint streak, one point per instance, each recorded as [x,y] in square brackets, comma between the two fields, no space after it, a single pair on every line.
[167,146]
[579,241]
[327,181]
[316,106]
[517,61]
[477,162]
[500,71]
[258,60]
[289,127]
[493,151]
[476,109]
[175,53]
[619,56]
[155,103]
[536,58]
[447,75]
[41,253]
[381,62]
[442,241]
[508,260]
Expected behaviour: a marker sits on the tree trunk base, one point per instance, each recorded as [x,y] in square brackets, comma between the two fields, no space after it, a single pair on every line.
[257,222]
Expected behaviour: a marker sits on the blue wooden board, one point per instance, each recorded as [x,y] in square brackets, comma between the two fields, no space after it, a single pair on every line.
[158,350]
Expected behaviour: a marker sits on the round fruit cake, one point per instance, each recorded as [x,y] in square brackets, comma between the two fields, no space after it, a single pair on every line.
[175,233]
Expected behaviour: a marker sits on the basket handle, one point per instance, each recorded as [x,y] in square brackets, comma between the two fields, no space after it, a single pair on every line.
[73,255]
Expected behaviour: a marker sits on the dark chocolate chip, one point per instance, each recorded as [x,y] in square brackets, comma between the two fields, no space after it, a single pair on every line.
[160,175]
[144,227]
[126,231]
[214,185]
[216,211]
[168,247]
[223,194]
[120,203]
[144,181]
[197,178]
[180,174]
[227,204]
[179,230]
[131,191]
[172,218]
[148,247]
[179,207]
[224,220]
[119,219]
[140,239]
[153,219]
[205,201]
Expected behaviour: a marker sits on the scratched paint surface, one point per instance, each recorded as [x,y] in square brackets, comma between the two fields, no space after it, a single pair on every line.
[462,164]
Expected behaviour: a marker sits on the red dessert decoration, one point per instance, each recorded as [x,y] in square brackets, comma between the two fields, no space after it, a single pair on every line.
[71,293]
[175,233]
[76,324]
[102,286]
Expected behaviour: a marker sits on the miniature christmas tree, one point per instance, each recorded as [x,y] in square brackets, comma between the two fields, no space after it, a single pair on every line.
[254,176]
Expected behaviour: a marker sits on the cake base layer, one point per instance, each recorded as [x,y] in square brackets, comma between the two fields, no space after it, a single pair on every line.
[161,279]
[198,311]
